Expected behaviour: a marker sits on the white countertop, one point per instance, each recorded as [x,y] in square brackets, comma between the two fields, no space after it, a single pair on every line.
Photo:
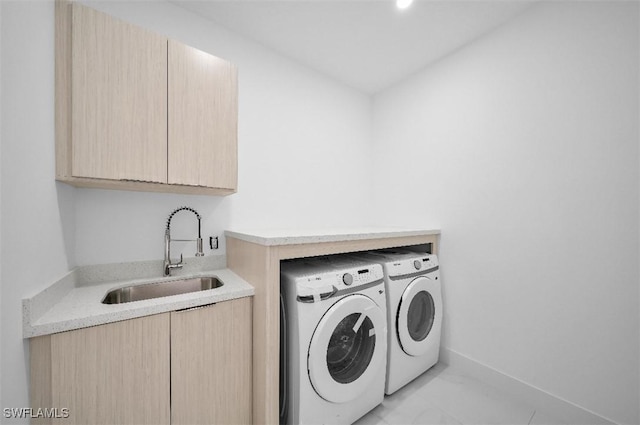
[81,306]
[270,237]
[75,301]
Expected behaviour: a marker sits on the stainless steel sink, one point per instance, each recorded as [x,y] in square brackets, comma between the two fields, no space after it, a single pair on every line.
[160,289]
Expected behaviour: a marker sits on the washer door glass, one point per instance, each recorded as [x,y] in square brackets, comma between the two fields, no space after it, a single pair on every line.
[420,316]
[351,348]
[347,349]
[419,312]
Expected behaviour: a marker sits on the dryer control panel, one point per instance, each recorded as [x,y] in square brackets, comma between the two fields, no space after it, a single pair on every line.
[418,263]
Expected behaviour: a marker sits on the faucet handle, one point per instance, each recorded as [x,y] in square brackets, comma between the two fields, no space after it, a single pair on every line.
[177,265]
[168,265]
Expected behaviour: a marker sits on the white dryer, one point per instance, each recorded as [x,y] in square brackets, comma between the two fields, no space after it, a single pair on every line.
[414,312]
[333,341]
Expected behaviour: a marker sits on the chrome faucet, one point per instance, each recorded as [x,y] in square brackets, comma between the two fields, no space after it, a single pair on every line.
[168,265]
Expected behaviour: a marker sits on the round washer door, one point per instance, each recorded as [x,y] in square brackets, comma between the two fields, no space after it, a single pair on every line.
[419,309]
[347,349]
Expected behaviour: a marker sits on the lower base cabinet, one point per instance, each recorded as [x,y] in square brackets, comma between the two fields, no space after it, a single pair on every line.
[108,374]
[211,364]
[185,367]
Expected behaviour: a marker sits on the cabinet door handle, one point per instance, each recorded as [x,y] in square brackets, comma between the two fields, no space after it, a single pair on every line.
[198,307]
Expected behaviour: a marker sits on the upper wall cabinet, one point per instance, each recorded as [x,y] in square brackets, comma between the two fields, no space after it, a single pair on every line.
[136,111]
[203,118]
[118,99]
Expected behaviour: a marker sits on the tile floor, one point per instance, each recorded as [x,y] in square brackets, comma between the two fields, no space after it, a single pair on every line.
[445,396]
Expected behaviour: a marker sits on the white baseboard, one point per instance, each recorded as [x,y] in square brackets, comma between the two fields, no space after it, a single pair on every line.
[540,400]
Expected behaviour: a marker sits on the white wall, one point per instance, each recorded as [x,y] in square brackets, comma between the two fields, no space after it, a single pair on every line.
[36,218]
[303,149]
[523,148]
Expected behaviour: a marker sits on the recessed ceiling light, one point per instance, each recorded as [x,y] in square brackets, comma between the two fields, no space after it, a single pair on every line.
[403,4]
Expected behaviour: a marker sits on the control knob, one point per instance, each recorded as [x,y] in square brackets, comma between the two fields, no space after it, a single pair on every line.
[417,264]
[347,278]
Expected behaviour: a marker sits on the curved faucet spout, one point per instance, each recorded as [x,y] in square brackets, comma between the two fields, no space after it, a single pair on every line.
[168,265]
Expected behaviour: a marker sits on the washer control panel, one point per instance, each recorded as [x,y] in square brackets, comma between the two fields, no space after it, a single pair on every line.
[328,279]
[362,275]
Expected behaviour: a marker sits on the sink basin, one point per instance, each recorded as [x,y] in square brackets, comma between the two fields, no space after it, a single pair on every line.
[160,289]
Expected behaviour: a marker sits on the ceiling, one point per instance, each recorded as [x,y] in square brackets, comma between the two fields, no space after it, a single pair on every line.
[365,44]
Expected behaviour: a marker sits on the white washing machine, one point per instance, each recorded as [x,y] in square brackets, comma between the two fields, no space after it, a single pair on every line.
[333,341]
[414,312]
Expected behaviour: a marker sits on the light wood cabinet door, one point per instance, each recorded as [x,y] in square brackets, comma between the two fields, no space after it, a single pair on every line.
[211,364]
[116,373]
[203,118]
[136,111]
[119,99]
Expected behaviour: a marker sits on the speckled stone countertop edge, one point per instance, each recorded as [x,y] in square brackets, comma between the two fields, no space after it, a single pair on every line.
[294,237]
[72,304]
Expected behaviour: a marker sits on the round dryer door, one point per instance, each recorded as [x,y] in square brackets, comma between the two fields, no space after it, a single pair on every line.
[419,311]
[347,349]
